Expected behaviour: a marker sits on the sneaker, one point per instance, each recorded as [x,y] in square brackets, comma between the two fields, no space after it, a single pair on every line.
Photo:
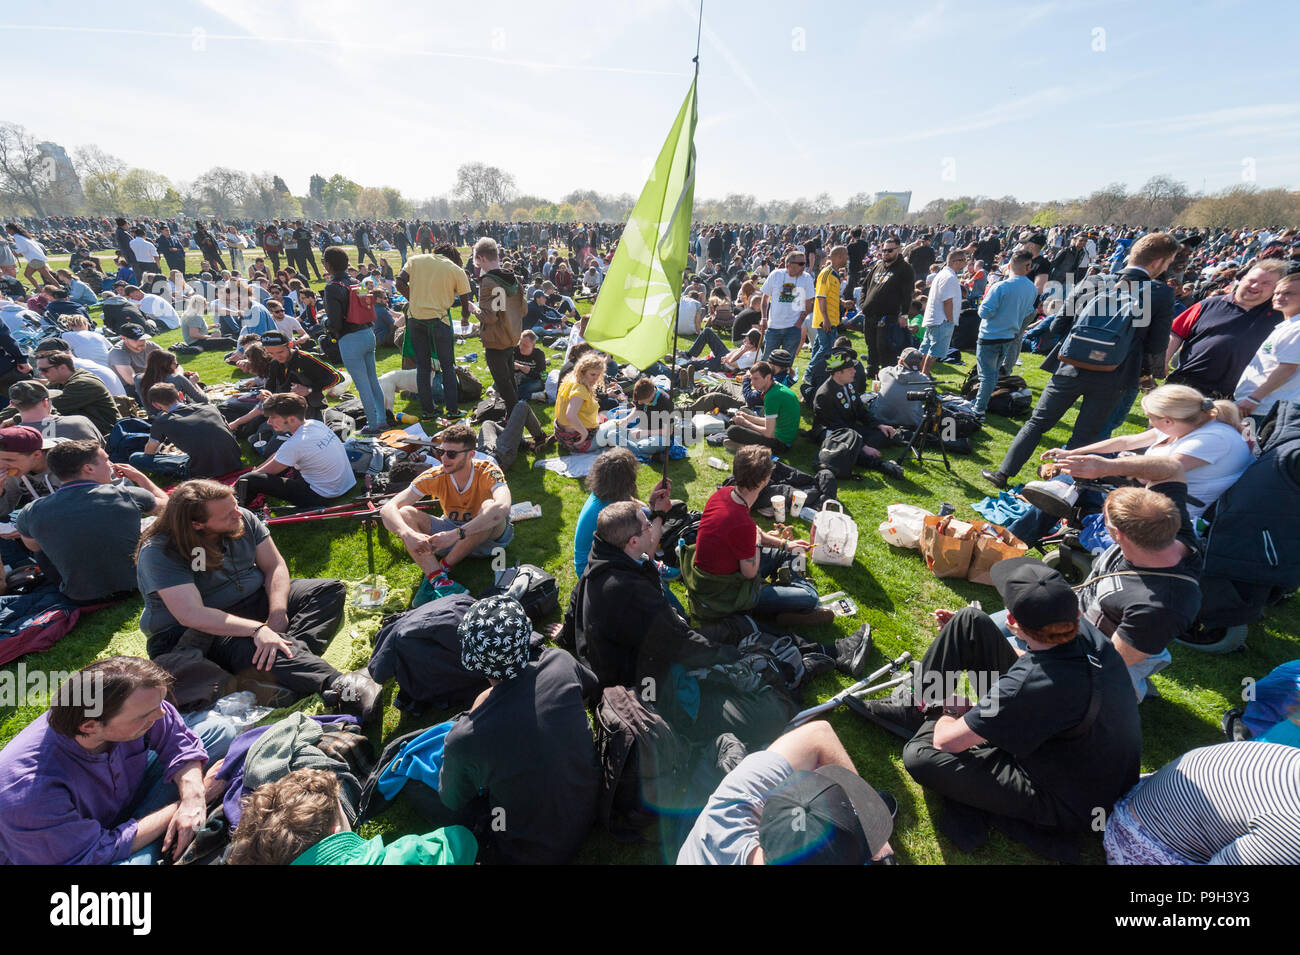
[897,715]
[373,432]
[544,445]
[455,415]
[431,588]
[668,573]
[851,652]
[1054,498]
[891,469]
[996,478]
[732,446]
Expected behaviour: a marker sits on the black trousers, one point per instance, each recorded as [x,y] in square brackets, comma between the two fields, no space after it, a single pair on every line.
[315,611]
[881,352]
[274,256]
[742,435]
[501,365]
[427,336]
[294,490]
[983,776]
[308,257]
[1059,395]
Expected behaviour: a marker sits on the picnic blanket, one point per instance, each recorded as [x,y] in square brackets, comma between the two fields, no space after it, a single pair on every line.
[574,466]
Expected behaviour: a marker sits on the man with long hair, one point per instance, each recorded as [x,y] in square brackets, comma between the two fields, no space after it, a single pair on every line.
[212,578]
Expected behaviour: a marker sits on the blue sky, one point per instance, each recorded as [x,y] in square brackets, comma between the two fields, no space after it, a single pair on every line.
[1045,99]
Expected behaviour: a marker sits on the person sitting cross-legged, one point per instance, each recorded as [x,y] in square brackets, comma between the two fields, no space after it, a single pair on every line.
[212,578]
[475,501]
[205,446]
[777,427]
[838,404]
[325,473]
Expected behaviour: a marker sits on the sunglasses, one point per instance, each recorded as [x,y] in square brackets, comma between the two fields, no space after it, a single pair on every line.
[448,452]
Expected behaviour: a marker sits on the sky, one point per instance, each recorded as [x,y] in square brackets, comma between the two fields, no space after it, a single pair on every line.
[1040,99]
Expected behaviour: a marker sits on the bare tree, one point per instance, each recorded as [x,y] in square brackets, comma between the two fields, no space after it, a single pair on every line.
[223,189]
[479,185]
[26,176]
[1104,204]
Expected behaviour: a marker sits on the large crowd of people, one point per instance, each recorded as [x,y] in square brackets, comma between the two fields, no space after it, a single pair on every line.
[107,438]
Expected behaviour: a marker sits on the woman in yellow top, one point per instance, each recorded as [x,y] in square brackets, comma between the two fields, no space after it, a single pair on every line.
[577,413]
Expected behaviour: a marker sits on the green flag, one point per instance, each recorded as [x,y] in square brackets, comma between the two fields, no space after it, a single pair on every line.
[637,305]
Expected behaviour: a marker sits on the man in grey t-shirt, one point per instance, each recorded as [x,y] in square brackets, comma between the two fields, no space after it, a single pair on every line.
[31,399]
[798,802]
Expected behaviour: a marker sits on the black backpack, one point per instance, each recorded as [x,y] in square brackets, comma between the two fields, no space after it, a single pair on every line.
[1011,396]
[468,388]
[534,588]
[489,409]
[645,765]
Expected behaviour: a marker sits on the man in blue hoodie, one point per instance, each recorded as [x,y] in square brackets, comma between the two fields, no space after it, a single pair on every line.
[1002,315]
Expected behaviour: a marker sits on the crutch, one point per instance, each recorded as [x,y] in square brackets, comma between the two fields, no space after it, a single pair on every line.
[857,691]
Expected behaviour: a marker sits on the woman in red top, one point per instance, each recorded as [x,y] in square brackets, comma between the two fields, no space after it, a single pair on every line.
[729,542]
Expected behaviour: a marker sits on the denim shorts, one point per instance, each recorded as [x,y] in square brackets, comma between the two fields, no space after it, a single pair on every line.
[937,339]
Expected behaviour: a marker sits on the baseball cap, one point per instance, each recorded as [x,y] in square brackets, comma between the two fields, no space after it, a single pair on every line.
[1035,237]
[781,357]
[133,332]
[52,344]
[838,361]
[911,357]
[275,339]
[1033,593]
[830,816]
[494,637]
[24,440]
[31,392]
[539,293]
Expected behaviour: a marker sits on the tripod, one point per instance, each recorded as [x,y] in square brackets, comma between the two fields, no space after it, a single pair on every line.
[930,427]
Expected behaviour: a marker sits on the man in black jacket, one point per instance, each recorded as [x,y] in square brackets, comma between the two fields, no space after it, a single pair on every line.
[1103,391]
[298,372]
[630,635]
[838,404]
[886,300]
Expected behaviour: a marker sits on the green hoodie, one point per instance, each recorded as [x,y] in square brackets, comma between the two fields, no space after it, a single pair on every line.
[453,845]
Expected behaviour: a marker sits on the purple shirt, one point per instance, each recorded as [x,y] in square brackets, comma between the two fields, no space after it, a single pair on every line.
[58,801]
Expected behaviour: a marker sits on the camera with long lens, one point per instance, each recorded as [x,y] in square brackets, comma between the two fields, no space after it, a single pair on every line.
[929,395]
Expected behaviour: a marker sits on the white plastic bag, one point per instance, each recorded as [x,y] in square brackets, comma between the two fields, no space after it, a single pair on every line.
[834,536]
[903,529]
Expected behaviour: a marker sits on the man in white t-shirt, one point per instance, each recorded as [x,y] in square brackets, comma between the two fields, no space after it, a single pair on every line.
[1273,375]
[942,309]
[798,802]
[325,473]
[84,342]
[155,306]
[788,296]
[144,254]
[688,317]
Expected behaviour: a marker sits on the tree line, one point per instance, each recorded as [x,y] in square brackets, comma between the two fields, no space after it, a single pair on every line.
[33,182]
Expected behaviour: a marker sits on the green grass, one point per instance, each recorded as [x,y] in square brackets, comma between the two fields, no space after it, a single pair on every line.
[892,587]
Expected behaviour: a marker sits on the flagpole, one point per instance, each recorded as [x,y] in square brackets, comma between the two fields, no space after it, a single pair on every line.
[672,379]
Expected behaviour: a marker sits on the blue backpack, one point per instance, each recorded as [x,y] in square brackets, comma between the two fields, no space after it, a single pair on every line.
[1103,332]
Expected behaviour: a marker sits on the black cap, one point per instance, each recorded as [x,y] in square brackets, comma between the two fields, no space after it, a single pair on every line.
[781,357]
[275,339]
[838,361]
[1033,593]
[52,344]
[133,332]
[828,817]
[1193,240]
[1037,238]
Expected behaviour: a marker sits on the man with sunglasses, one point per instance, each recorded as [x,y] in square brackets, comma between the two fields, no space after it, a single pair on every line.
[788,296]
[475,503]
[886,300]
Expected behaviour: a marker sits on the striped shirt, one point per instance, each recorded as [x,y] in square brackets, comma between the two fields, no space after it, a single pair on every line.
[1230,804]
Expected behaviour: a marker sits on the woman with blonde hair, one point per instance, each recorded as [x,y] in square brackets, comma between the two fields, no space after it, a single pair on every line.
[577,412]
[1203,435]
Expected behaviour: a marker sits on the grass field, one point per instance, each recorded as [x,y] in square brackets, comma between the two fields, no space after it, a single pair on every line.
[892,587]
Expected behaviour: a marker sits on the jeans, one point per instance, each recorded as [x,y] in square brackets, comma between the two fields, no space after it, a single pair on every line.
[1059,395]
[528,387]
[501,441]
[1120,414]
[937,340]
[428,335]
[229,326]
[990,357]
[358,352]
[787,338]
[154,792]
[708,337]
[822,340]
[129,436]
[163,465]
[795,597]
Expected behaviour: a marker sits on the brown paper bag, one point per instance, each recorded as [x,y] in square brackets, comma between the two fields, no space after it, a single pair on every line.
[990,550]
[946,555]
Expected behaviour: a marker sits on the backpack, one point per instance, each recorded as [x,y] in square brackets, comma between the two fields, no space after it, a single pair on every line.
[361,305]
[839,451]
[644,763]
[490,409]
[328,346]
[366,455]
[1011,396]
[1103,331]
[339,423]
[535,589]
[468,387]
